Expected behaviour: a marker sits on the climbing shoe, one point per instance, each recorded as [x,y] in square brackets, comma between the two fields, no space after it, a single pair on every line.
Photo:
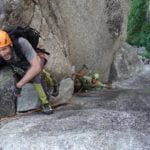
[47,109]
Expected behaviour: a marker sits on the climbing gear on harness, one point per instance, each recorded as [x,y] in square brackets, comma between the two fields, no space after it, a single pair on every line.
[4,39]
[96,76]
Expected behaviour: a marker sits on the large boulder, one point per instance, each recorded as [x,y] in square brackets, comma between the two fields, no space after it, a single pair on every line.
[30,100]
[94,31]
[126,63]
[10,105]
[66,89]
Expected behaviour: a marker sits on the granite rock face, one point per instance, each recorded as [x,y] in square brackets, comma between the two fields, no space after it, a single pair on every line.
[95,31]
[10,105]
[30,100]
[7,99]
[115,119]
[126,63]
[74,32]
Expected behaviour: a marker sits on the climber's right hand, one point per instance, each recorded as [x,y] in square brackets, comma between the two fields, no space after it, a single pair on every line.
[17,91]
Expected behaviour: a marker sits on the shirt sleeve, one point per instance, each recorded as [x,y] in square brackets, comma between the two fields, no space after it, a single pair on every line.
[26,49]
[100,84]
[87,79]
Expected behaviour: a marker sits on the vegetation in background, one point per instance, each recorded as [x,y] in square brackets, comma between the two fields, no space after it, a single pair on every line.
[138,27]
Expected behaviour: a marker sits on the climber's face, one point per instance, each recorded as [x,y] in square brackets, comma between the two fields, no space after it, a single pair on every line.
[94,80]
[5,52]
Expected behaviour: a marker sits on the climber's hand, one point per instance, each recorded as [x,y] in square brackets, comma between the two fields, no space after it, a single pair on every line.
[17,91]
[108,86]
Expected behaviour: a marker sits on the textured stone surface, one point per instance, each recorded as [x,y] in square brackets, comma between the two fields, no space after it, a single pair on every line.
[74,32]
[42,16]
[94,31]
[7,100]
[126,63]
[65,90]
[29,99]
[116,119]
[139,81]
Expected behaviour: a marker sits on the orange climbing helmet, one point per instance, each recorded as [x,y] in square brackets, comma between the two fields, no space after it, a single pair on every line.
[4,39]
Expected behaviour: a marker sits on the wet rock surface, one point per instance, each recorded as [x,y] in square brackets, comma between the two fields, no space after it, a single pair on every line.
[117,119]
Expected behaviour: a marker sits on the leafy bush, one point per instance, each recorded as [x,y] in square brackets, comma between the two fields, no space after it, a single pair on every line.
[138,32]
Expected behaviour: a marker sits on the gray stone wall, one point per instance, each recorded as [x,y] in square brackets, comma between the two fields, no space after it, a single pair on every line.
[95,30]
[75,32]
[126,63]
[7,99]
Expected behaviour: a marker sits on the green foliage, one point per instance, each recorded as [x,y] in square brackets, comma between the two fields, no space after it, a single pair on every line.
[146,55]
[144,40]
[146,27]
[138,29]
